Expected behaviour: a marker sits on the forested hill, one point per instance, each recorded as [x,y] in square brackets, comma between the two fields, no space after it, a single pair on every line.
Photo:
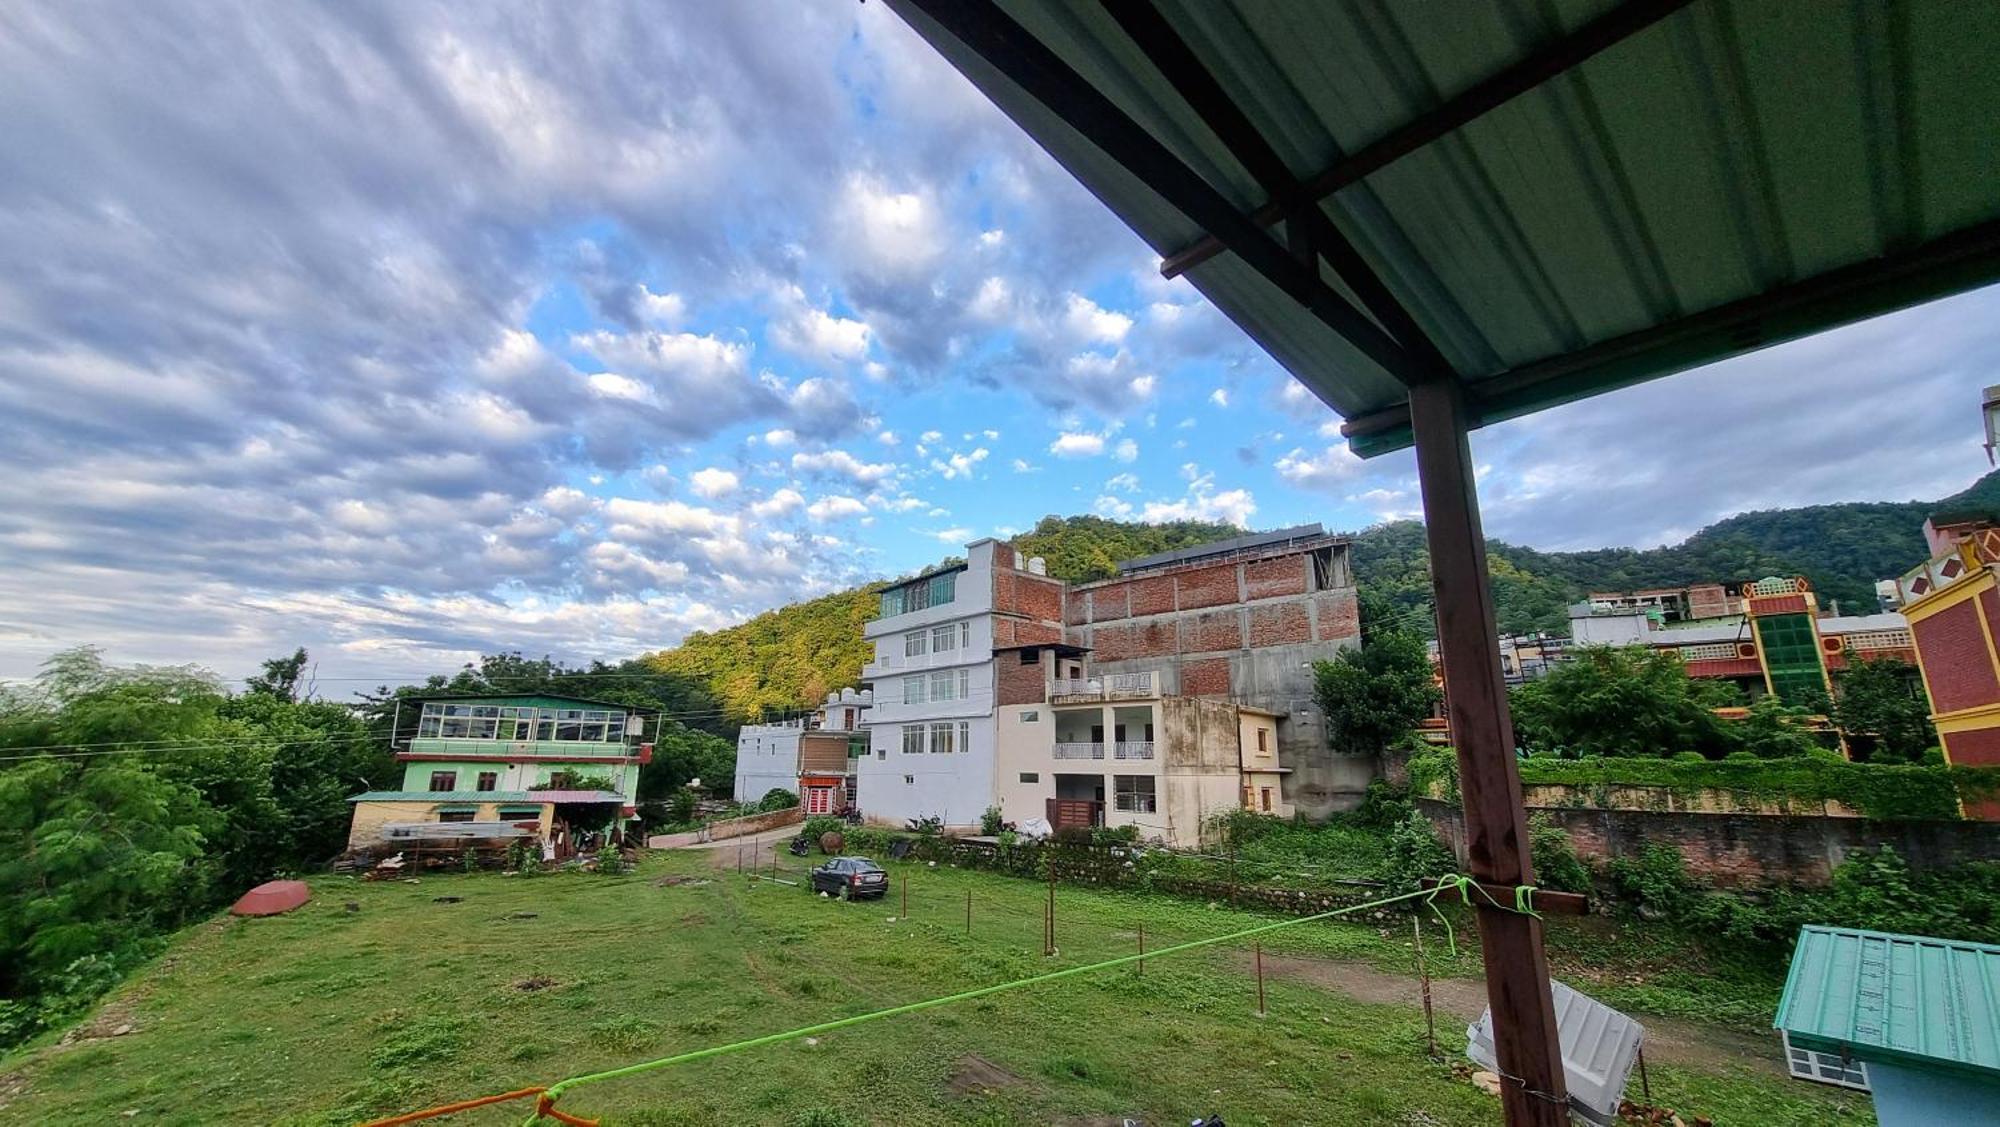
[791,657]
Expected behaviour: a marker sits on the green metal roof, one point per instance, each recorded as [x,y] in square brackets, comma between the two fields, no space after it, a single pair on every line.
[1911,999]
[1554,198]
[510,796]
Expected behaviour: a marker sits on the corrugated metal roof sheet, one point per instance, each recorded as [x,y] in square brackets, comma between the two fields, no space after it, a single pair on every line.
[1876,996]
[1730,151]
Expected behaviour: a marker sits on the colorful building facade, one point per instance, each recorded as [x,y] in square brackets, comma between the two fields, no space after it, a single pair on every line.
[1953,606]
[568,766]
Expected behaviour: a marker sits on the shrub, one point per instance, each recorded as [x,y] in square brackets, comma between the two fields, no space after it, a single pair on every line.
[1414,852]
[1655,881]
[819,825]
[777,798]
[990,821]
[1556,864]
[1114,835]
[927,827]
[1382,807]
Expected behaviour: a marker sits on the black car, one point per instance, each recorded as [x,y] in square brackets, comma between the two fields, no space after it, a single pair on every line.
[850,878]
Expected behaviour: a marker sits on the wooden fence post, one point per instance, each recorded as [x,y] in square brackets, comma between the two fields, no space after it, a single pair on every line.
[1142,949]
[1257,950]
[968,912]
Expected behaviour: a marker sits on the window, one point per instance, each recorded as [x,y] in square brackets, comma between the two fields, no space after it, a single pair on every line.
[913,739]
[1031,656]
[489,780]
[1264,799]
[965,635]
[913,689]
[1030,715]
[456,815]
[1031,777]
[913,644]
[444,780]
[1263,741]
[941,739]
[965,735]
[1134,794]
[941,685]
[934,591]
[427,728]
[944,639]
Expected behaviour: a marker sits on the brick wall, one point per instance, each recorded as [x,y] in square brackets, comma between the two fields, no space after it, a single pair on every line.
[1957,666]
[1748,850]
[1020,684]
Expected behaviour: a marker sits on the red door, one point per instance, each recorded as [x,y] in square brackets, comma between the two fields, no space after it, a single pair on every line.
[819,800]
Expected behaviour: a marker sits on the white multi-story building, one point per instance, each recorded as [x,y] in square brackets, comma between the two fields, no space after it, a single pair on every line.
[931,731]
[812,756]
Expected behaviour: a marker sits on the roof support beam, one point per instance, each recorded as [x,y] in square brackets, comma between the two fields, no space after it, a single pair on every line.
[1307,227]
[1954,262]
[1606,31]
[1496,827]
[1031,65]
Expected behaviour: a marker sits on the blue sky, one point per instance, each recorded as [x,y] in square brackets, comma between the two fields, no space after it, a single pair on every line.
[406,331]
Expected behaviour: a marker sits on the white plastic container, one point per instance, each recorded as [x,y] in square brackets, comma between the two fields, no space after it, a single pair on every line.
[1599,1048]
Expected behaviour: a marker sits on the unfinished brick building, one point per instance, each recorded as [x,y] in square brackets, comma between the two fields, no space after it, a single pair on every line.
[1245,619]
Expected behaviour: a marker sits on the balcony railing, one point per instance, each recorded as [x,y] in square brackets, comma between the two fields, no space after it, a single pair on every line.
[1133,749]
[1114,686]
[1068,750]
[1891,639]
[1709,651]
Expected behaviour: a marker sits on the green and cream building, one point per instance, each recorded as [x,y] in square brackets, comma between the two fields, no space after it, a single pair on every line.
[565,764]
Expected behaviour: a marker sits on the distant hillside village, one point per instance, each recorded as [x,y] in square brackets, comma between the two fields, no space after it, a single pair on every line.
[1183,686]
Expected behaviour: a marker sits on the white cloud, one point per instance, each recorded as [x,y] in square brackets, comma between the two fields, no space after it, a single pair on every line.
[781,503]
[835,507]
[1125,482]
[1022,465]
[809,331]
[1333,464]
[960,465]
[1204,502]
[1127,450]
[713,482]
[888,438]
[843,464]
[931,436]
[780,437]
[1071,444]
[1111,506]
[1088,321]
[666,309]
[952,535]
[1219,397]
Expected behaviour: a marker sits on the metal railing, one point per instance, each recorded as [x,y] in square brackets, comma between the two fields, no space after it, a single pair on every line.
[1068,750]
[1132,749]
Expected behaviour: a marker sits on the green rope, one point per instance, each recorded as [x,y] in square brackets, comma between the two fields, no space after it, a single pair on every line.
[1458,882]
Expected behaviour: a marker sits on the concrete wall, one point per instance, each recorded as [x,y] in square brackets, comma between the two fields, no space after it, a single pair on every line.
[1748,850]
[370,817]
[1249,630]
[729,828]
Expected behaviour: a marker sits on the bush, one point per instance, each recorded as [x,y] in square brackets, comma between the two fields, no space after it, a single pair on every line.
[1556,864]
[819,825]
[990,822]
[927,827]
[1414,852]
[1382,807]
[777,798]
[680,807]
[1114,835]
[1655,881]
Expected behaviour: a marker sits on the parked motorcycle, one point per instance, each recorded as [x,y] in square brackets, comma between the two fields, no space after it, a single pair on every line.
[800,846]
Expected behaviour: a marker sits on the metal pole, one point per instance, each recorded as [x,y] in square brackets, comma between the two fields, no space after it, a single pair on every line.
[1232,874]
[1257,950]
[1052,910]
[904,885]
[1645,1086]
[1142,949]
[1496,827]
[968,911]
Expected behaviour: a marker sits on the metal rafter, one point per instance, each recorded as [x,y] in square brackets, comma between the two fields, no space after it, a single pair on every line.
[1308,230]
[1031,65]
[1560,55]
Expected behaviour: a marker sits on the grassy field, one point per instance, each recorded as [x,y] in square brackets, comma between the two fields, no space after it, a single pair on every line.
[331,1015]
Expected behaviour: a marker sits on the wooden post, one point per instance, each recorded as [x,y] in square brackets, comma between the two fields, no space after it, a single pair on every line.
[1049,941]
[1257,952]
[1645,1085]
[1142,949]
[1232,874]
[968,912]
[1424,980]
[1496,827]
[904,885]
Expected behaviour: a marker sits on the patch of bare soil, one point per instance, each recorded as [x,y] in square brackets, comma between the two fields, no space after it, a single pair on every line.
[535,982]
[676,881]
[1668,1040]
[975,1075]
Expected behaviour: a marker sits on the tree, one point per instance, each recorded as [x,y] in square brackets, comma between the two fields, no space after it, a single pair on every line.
[281,676]
[1629,701]
[1880,707]
[1374,696]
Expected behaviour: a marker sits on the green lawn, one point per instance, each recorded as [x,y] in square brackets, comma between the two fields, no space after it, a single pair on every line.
[328,1015]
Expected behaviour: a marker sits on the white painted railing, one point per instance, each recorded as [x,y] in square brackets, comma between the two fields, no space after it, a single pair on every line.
[1075,687]
[1709,651]
[1133,749]
[1891,639]
[1079,751]
[1135,684]
[1108,687]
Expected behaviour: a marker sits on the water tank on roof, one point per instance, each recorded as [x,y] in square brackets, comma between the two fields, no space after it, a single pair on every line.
[833,698]
[1038,566]
[847,696]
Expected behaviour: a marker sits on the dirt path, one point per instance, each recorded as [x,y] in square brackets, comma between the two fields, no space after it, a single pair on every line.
[1668,1040]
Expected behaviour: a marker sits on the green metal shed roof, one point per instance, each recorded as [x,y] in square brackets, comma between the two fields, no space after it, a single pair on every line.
[509,796]
[1901,998]
[1543,199]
